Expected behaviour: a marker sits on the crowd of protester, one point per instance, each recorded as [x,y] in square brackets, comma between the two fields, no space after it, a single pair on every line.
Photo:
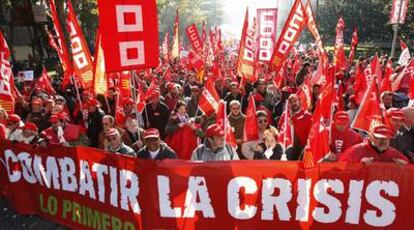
[171,124]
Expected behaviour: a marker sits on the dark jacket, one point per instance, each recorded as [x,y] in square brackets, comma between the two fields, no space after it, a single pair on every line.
[277,153]
[404,142]
[164,153]
[95,127]
[156,118]
[124,149]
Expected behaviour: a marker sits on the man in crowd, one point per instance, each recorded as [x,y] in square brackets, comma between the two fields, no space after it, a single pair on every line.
[115,144]
[154,148]
[236,120]
[213,148]
[342,136]
[301,121]
[94,119]
[374,149]
[156,114]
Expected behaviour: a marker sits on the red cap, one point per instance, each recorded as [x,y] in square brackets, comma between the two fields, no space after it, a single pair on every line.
[37,101]
[352,99]
[30,126]
[214,130]
[152,133]
[341,118]
[14,118]
[396,114]
[381,131]
[128,101]
[112,132]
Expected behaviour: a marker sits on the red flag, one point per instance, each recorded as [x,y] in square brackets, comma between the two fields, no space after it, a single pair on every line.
[168,74]
[354,45]
[360,85]
[318,141]
[140,98]
[6,77]
[251,131]
[369,112]
[340,96]
[246,57]
[305,94]
[222,120]
[119,113]
[43,82]
[376,68]
[204,34]
[165,48]
[61,48]
[386,81]
[340,60]
[131,41]
[285,137]
[405,54]
[318,76]
[290,33]
[411,90]
[209,100]
[82,61]
[175,52]
[194,38]
[312,27]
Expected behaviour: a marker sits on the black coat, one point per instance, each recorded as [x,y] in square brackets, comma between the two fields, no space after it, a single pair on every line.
[277,153]
[404,142]
[157,118]
[165,153]
[95,127]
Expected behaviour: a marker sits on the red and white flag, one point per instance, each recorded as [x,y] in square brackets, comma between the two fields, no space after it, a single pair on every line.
[398,9]
[6,77]
[125,85]
[175,52]
[354,45]
[251,131]
[290,33]
[266,29]
[246,58]
[224,123]
[405,54]
[400,80]
[81,57]
[43,82]
[194,38]
[340,60]
[129,41]
[369,112]
[209,100]
[165,47]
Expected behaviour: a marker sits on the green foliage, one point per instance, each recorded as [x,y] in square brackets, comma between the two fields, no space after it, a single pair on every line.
[369,16]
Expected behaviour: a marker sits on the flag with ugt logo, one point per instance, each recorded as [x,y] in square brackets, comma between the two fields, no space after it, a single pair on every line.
[129,41]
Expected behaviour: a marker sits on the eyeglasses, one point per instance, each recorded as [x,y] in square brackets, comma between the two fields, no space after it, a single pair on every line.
[262,121]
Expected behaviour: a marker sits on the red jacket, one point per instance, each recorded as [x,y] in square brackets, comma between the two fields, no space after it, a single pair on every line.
[341,141]
[302,122]
[355,153]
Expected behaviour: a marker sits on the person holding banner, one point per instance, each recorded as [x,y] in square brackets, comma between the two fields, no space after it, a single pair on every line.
[376,148]
[214,147]
[269,149]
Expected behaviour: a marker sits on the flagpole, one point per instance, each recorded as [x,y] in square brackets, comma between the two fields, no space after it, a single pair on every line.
[134,94]
[396,28]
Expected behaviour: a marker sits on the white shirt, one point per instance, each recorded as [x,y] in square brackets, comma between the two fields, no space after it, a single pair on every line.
[154,154]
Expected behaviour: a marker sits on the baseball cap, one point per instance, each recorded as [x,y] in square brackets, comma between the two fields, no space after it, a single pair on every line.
[381,131]
[151,133]
[341,118]
[214,130]
[396,114]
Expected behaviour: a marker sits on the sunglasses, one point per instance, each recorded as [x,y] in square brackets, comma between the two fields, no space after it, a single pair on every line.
[262,121]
